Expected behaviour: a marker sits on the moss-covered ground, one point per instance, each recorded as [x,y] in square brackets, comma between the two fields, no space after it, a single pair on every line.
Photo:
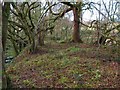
[66,65]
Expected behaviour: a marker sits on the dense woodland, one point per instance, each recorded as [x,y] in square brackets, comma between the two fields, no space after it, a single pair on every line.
[43,48]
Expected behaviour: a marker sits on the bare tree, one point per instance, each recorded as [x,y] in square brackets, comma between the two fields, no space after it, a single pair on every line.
[107,19]
[76,7]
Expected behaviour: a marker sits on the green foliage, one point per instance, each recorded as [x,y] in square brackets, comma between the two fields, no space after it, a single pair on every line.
[9,49]
[27,82]
[97,75]
[63,80]
[73,49]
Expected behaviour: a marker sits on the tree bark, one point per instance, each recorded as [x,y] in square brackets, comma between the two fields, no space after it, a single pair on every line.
[100,41]
[76,34]
[5,16]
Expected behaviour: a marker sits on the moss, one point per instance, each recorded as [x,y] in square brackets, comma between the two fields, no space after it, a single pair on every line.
[73,49]
[67,71]
[28,82]
[63,80]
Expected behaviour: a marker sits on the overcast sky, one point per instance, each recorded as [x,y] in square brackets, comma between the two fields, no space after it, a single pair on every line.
[87,15]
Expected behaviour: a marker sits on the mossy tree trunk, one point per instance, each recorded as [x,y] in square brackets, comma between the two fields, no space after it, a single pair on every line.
[25,21]
[5,16]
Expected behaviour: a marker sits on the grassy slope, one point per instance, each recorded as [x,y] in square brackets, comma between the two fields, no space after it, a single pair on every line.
[66,65]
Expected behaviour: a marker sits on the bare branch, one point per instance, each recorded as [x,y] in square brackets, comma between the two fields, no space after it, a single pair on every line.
[67,3]
[17,24]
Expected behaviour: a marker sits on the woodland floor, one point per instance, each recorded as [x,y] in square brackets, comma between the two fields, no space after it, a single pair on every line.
[66,65]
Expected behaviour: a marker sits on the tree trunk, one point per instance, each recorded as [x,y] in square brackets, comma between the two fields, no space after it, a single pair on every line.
[76,35]
[41,39]
[100,41]
[5,16]
[100,38]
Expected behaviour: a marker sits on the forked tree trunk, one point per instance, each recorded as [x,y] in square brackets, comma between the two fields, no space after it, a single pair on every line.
[76,34]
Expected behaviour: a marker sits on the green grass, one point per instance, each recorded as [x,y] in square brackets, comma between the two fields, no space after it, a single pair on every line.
[73,49]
